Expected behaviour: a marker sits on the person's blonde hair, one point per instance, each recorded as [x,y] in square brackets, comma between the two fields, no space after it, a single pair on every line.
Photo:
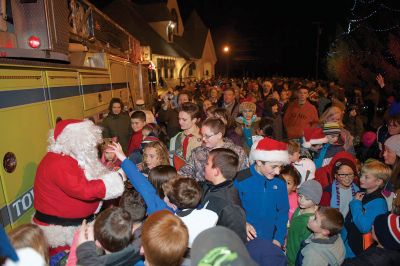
[329,113]
[377,169]
[32,236]
[161,150]
[293,146]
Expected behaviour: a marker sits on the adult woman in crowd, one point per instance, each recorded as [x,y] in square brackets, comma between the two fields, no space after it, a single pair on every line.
[117,124]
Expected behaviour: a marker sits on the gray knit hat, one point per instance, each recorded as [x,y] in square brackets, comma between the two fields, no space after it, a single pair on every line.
[312,190]
[394,144]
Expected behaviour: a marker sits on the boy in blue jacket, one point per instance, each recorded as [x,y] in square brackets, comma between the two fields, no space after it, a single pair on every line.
[263,194]
[365,207]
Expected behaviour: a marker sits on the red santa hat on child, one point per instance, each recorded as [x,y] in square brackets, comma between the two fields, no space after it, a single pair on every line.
[63,124]
[269,150]
[313,136]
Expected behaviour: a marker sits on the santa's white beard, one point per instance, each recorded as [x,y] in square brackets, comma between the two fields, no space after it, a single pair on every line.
[80,142]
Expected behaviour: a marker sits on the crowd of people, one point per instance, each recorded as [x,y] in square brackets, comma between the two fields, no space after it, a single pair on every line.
[267,171]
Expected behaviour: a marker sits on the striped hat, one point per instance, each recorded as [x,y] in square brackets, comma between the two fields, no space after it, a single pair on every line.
[387,230]
[331,128]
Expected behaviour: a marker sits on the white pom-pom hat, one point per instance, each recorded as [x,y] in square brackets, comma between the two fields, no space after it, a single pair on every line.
[269,150]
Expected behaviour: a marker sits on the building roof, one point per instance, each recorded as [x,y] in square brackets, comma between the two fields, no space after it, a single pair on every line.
[127,15]
[194,37]
[154,12]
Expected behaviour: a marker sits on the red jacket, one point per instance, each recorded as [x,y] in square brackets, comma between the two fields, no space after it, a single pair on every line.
[325,176]
[298,117]
[61,188]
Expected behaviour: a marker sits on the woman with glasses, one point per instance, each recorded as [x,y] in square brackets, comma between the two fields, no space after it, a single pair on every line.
[343,189]
[212,131]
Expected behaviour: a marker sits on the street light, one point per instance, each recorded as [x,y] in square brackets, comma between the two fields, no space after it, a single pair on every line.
[226,49]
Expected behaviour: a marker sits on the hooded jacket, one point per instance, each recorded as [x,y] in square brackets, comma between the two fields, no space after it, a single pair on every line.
[325,175]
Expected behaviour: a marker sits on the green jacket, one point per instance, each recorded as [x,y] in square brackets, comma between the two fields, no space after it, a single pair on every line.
[297,233]
[118,126]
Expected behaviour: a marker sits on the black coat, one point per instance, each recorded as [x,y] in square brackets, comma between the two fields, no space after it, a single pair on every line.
[375,256]
[224,200]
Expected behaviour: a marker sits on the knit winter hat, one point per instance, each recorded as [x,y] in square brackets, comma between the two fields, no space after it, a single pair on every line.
[313,136]
[393,143]
[368,138]
[312,190]
[394,109]
[331,128]
[63,124]
[269,150]
[247,106]
[387,230]
[344,161]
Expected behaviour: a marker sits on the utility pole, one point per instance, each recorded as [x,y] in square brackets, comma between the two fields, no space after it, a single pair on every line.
[319,32]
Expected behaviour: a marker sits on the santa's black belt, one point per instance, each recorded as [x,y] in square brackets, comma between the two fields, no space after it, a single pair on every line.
[50,219]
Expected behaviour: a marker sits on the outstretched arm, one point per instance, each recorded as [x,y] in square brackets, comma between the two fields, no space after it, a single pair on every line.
[139,181]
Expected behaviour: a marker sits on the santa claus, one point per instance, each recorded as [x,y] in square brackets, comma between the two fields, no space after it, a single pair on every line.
[71,182]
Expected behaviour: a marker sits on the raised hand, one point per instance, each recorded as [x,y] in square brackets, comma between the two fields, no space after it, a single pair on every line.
[381,80]
[117,150]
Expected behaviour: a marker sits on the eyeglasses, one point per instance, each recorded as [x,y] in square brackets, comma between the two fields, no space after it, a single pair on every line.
[345,175]
[208,136]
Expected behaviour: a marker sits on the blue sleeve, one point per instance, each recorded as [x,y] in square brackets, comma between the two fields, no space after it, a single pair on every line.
[283,213]
[364,219]
[144,187]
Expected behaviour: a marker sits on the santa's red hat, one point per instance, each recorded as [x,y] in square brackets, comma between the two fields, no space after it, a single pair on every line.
[63,124]
[269,150]
[313,136]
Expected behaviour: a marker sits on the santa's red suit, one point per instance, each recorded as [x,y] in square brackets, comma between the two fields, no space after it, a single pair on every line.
[71,182]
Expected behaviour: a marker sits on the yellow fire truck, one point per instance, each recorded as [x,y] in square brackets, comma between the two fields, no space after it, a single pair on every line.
[59,59]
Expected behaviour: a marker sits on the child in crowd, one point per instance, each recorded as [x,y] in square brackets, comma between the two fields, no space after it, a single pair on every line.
[155,153]
[159,175]
[266,128]
[324,246]
[30,236]
[220,195]
[324,156]
[108,158]
[164,239]
[292,178]
[386,233]
[112,232]
[365,207]
[343,189]
[263,194]
[138,121]
[312,142]
[304,166]
[247,124]
[309,196]
[184,195]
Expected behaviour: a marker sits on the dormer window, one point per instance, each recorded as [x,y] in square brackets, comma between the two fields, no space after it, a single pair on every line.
[170,31]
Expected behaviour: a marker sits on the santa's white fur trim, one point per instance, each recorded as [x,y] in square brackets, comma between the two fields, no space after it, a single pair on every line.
[314,141]
[114,185]
[58,235]
[270,156]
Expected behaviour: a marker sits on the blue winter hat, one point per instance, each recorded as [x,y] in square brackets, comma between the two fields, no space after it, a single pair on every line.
[394,109]
[265,253]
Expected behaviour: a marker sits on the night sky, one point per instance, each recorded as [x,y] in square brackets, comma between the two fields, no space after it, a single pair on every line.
[273,37]
[270,37]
